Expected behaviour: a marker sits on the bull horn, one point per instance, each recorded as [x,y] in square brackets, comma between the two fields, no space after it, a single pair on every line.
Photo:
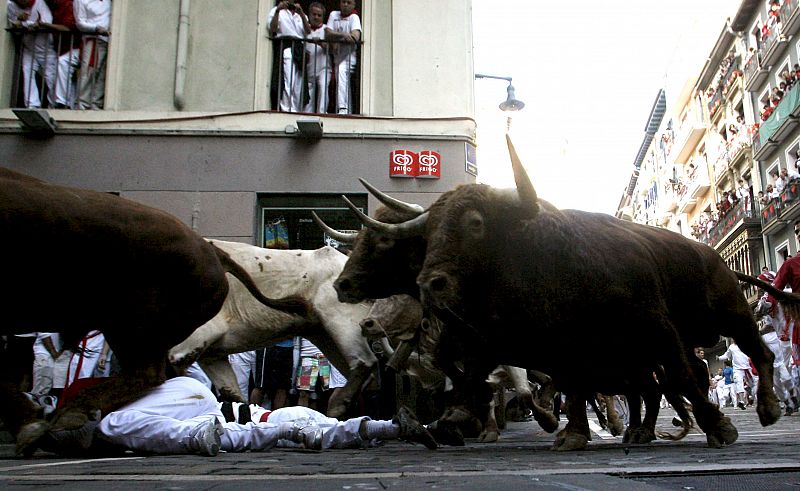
[391,202]
[344,238]
[410,228]
[524,187]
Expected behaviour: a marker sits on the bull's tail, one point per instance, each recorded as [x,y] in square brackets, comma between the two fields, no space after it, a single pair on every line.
[292,304]
[789,301]
[679,405]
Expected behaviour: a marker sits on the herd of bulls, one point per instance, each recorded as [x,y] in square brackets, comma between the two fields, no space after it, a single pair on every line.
[496,278]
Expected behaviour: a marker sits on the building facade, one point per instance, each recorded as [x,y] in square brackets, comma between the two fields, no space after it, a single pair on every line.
[726,136]
[187,124]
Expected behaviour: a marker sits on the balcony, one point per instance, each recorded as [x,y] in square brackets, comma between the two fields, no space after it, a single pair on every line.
[313,87]
[688,135]
[769,215]
[754,73]
[743,211]
[790,204]
[790,19]
[779,125]
[66,61]
[698,186]
[774,45]
[715,103]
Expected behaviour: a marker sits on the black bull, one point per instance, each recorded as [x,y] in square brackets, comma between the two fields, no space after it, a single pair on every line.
[76,260]
[532,286]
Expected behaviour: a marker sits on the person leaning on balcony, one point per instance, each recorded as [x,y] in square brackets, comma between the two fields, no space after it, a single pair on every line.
[69,54]
[344,27]
[777,95]
[288,25]
[781,180]
[93,17]
[743,192]
[38,55]
[766,112]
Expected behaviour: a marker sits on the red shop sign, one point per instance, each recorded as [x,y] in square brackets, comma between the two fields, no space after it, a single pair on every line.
[429,164]
[403,163]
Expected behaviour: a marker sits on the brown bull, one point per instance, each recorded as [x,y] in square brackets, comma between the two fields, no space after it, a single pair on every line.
[75,260]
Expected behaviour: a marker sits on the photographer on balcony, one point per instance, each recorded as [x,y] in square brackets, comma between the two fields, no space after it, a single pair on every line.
[288,26]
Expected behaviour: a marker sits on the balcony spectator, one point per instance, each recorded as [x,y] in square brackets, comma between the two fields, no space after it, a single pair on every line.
[93,17]
[319,68]
[789,78]
[796,68]
[743,193]
[780,181]
[766,112]
[774,14]
[776,96]
[68,46]
[288,25]
[344,27]
[763,199]
[771,193]
[797,160]
[38,55]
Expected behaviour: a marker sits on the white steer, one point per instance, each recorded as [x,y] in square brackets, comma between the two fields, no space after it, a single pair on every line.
[243,324]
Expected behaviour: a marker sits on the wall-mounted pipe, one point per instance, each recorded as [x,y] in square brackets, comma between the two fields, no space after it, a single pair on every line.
[179,99]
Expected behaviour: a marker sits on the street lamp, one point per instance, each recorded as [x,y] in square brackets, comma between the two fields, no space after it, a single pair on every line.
[511,103]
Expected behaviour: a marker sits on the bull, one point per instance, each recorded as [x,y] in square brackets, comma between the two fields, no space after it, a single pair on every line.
[380,266]
[244,324]
[500,266]
[75,260]
[378,255]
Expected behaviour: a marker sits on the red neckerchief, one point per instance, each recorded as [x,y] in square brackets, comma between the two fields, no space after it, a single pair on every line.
[264,417]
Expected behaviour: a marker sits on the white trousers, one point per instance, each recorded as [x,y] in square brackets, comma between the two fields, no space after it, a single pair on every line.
[243,365]
[292,86]
[42,375]
[336,434]
[344,71]
[318,91]
[164,421]
[41,60]
[782,379]
[92,81]
[66,90]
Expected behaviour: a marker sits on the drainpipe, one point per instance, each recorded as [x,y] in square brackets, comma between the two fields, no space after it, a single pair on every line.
[183,53]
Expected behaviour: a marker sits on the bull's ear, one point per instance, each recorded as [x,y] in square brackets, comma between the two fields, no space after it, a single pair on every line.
[527,194]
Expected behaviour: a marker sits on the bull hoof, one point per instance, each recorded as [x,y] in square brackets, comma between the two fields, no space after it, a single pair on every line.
[616,428]
[639,435]
[488,436]
[724,434]
[769,411]
[29,436]
[548,422]
[567,442]
[70,419]
[446,433]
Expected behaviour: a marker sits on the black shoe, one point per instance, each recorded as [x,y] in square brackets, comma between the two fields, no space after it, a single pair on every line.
[412,431]
[676,421]
[741,406]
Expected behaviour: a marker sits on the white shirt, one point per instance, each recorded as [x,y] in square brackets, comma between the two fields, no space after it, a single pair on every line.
[38,346]
[317,54]
[91,14]
[39,12]
[738,359]
[290,24]
[349,24]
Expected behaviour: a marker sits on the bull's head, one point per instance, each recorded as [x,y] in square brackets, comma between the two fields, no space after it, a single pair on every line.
[474,222]
[382,264]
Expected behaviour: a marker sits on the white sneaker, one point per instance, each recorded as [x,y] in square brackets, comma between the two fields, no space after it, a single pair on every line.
[310,436]
[206,438]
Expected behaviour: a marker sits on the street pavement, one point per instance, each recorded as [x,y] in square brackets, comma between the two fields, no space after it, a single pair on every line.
[762,458]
